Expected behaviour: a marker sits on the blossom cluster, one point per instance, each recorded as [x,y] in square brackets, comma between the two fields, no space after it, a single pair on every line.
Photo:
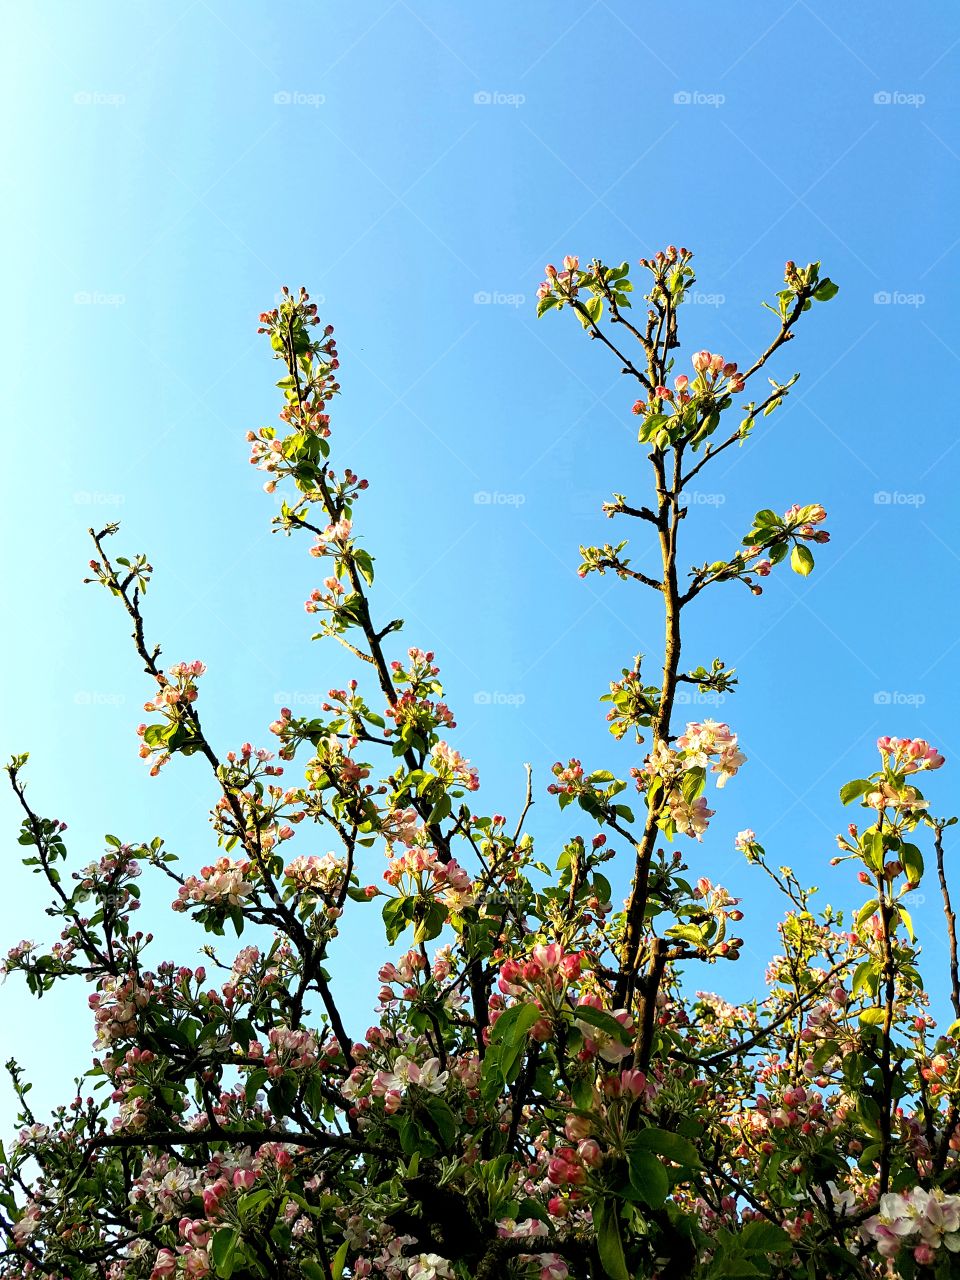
[672,777]
[714,376]
[453,769]
[909,755]
[222,883]
[921,1219]
[563,282]
[177,691]
[419,873]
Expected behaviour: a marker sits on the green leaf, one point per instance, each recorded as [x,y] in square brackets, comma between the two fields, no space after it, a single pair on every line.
[648,1177]
[431,925]
[907,919]
[512,1026]
[869,1114]
[866,911]
[764,1237]
[248,1206]
[602,888]
[671,1145]
[339,1261]
[281,1094]
[851,790]
[869,1157]
[594,309]
[440,810]
[223,1249]
[864,976]
[912,860]
[254,1083]
[609,1240]
[603,1021]
[396,916]
[873,1017]
[444,1120]
[826,290]
[801,561]
[364,562]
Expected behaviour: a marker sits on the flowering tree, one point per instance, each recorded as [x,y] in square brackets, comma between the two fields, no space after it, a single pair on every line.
[539,1094]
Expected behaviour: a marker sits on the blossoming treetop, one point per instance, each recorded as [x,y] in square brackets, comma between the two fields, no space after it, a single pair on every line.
[539,1096]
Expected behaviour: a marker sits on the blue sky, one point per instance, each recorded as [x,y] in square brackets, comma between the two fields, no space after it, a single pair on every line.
[415,163]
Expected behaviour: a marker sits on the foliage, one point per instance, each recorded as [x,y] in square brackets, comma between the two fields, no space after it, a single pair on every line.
[541,1095]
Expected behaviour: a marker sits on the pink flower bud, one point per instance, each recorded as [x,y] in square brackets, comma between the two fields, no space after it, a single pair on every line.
[576,1127]
[590,1153]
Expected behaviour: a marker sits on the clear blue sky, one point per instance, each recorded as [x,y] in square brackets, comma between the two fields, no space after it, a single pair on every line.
[170,165]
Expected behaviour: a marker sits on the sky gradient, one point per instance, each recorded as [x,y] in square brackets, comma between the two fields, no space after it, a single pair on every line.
[415,164]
